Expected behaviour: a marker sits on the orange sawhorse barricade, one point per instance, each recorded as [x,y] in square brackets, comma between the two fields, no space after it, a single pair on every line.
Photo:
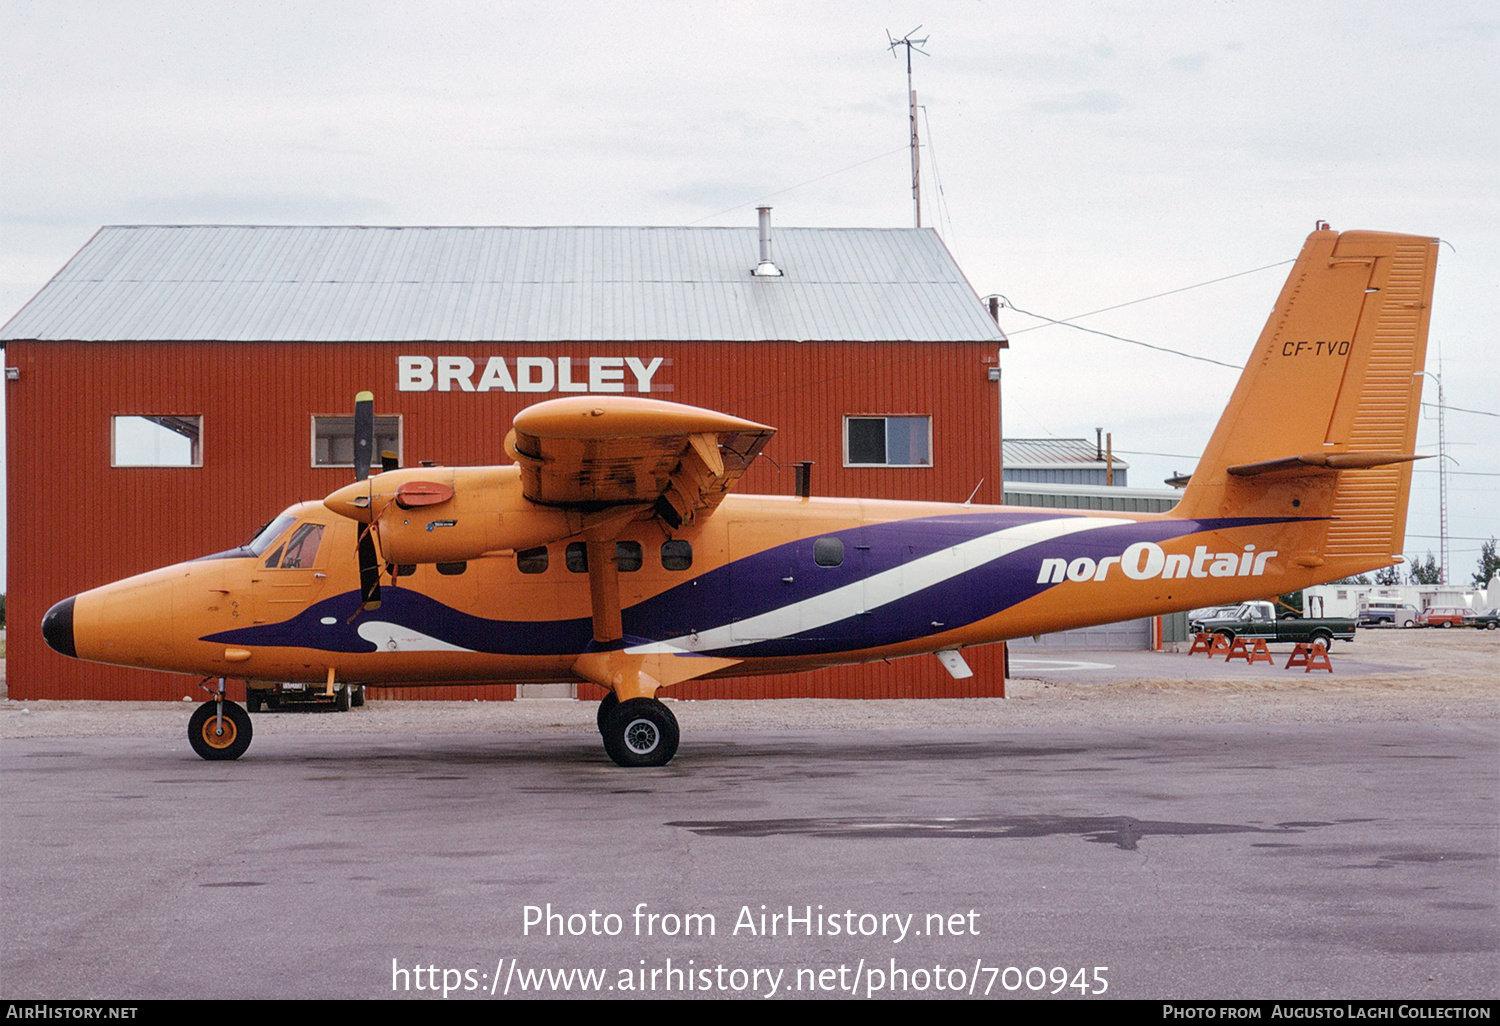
[1213,644]
[1312,656]
[1255,652]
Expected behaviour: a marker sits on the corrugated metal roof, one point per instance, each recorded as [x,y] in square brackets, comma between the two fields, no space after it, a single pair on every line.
[242,283]
[1054,452]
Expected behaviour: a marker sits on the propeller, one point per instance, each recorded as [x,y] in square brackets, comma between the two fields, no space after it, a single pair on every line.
[364,445]
[364,434]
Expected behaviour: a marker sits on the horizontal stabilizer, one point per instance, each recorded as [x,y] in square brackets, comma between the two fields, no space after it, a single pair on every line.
[1321,461]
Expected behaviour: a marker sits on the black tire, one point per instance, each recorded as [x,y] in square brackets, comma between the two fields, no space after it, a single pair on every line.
[1408,623]
[641,732]
[1325,637]
[342,699]
[606,706]
[357,699]
[230,744]
[253,700]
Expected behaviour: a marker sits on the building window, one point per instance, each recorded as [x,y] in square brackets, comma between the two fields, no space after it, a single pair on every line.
[888,441]
[156,440]
[333,440]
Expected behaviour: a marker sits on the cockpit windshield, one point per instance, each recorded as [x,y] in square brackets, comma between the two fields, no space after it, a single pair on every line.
[266,535]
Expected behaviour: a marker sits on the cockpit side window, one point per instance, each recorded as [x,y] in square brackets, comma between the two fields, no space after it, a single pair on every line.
[302,547]
[269,533]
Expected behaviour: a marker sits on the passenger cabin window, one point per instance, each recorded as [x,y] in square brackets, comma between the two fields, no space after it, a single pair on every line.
[156,440]
[628,557]
[333,440]
[576,557]
[676,554]
[532,561]
[452,569]
[888,441]
[828,551]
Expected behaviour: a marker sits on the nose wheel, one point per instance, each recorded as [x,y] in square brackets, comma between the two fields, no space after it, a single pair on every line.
[216,737]
[639,732]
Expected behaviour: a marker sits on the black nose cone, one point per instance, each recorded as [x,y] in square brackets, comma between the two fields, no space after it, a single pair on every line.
[57,628]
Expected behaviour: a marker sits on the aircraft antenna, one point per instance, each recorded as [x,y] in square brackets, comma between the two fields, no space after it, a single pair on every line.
[911,93]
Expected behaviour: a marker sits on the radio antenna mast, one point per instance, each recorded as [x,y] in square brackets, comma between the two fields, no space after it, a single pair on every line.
[916,178]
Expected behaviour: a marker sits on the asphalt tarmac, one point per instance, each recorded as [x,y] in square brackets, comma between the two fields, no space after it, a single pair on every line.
[1272,860]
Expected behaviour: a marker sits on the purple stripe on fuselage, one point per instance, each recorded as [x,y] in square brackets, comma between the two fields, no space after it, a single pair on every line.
[970,596]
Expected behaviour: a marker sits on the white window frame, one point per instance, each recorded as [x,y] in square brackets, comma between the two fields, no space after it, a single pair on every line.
[114,448]
[889,416]
[374,456]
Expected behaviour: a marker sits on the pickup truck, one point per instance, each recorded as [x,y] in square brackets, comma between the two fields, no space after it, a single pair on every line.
[1258,620]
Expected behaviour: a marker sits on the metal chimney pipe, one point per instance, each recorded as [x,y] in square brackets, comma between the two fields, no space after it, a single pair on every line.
[765,269]
[804,479]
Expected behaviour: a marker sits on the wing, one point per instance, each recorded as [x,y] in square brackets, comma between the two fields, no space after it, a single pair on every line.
[591,453]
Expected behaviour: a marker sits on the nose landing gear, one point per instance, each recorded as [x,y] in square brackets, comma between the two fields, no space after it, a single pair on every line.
[219,729]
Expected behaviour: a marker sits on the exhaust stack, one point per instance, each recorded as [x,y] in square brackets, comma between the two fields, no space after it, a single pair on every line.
[765,269]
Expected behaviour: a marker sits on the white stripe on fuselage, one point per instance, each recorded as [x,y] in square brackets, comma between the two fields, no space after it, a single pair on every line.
[394,637]
[878,589]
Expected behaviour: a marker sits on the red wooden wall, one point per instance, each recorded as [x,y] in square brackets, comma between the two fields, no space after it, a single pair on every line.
[75,522]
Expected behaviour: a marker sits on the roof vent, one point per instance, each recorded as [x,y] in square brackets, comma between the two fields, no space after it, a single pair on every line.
[765,269]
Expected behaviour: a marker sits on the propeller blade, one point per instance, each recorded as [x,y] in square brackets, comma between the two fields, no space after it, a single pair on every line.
[369,571]
[388,460]
[364,433]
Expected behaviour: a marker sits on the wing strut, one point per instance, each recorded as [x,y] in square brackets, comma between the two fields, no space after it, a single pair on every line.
[604,591]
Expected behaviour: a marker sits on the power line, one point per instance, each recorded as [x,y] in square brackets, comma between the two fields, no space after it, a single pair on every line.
[1118,338]
[1159,295]
[1460,409]
[789,188]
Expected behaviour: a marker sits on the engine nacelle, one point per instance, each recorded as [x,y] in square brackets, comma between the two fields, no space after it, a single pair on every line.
[448,515]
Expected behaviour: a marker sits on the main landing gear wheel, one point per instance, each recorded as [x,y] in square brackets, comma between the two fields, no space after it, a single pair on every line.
[640,732]
[210,740]
[606,706]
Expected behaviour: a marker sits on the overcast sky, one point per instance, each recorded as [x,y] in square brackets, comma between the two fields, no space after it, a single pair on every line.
[1088,154]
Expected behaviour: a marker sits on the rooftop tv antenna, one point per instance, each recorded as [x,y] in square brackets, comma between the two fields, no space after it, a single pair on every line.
[916,178]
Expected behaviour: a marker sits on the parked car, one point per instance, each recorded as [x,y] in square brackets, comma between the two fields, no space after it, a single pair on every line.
[1258,620]
[1487,619]
[1445,616]
[1393,614]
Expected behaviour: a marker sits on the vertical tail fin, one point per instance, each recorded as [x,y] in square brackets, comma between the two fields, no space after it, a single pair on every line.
[1323,421]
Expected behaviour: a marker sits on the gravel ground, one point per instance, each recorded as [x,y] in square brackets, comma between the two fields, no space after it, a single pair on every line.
[1389,675]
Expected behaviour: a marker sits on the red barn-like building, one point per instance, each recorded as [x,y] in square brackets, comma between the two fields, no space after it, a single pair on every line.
[174,386]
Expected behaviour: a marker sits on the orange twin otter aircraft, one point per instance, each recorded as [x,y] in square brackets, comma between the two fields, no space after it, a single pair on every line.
[612,551]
